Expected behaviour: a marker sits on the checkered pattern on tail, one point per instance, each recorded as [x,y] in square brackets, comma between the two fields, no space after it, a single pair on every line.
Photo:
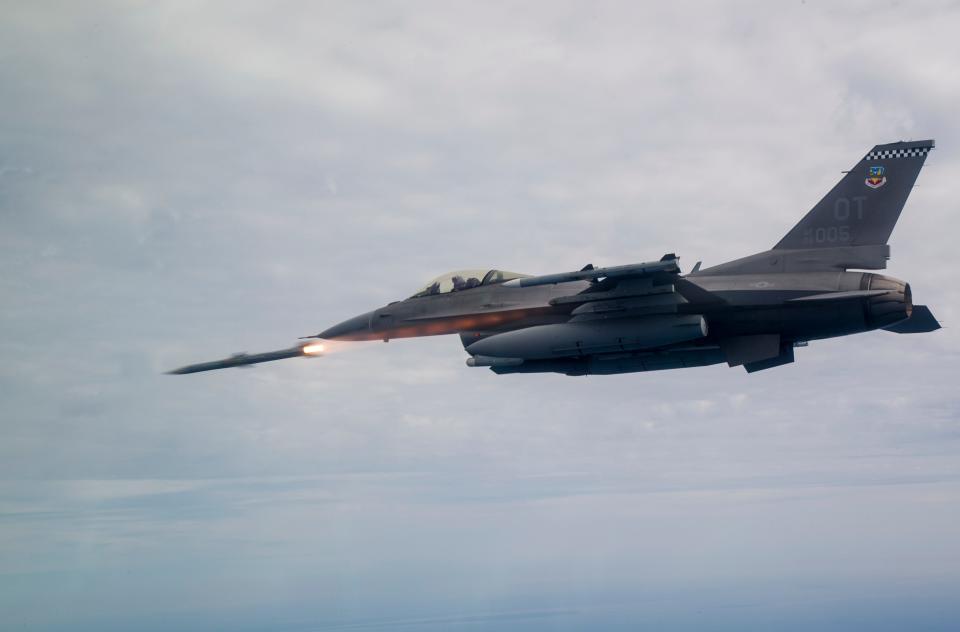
[911,152]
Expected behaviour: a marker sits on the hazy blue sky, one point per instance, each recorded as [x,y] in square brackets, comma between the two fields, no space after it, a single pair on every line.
[184,180]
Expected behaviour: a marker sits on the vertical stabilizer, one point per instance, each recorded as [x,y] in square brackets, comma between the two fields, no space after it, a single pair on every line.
[862,209]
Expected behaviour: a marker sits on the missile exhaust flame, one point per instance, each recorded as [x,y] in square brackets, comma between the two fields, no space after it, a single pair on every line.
[314,349]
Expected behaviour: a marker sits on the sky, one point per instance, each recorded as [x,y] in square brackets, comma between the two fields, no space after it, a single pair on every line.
[184,180]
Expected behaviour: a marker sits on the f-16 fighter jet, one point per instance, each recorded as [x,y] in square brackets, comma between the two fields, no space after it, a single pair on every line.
[750,312]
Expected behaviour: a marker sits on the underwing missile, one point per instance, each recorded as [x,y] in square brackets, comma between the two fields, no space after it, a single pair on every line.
[243,359]
[667,264]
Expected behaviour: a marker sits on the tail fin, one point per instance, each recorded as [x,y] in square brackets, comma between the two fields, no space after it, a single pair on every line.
[862,209]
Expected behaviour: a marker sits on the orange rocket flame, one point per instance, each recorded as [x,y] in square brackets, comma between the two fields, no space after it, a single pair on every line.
[314,349]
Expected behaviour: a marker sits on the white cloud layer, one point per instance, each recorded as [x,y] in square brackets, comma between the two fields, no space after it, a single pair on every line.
[179,181]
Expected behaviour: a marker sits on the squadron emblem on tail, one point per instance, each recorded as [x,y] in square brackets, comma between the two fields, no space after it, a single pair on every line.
[876,179]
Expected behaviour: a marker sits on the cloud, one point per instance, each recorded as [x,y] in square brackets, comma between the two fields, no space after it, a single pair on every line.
[183,181]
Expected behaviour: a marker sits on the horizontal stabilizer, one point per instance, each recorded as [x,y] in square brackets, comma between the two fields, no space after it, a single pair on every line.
[921,321]
[838,296]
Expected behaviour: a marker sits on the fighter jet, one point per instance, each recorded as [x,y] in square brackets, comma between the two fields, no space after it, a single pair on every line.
[750,312]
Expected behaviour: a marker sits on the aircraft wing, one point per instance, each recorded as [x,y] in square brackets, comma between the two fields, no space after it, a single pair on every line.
[668,265]
[637,289]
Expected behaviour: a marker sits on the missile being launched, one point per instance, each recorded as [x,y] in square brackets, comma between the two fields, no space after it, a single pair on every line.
[751,312]
[308,350]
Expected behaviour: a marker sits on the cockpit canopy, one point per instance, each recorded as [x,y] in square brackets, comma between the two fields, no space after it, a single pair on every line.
[461,280]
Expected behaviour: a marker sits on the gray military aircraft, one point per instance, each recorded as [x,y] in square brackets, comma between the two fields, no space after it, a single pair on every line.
[749,312]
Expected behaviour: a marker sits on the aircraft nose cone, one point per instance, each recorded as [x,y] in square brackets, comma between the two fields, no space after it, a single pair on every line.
[356,328]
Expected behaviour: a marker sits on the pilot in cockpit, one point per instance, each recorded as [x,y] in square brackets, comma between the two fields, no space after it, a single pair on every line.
[460,284]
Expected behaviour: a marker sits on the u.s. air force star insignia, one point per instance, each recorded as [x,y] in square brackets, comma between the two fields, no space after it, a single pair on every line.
[876,179]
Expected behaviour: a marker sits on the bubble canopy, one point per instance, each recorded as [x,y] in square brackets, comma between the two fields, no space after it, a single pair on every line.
[461,280]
